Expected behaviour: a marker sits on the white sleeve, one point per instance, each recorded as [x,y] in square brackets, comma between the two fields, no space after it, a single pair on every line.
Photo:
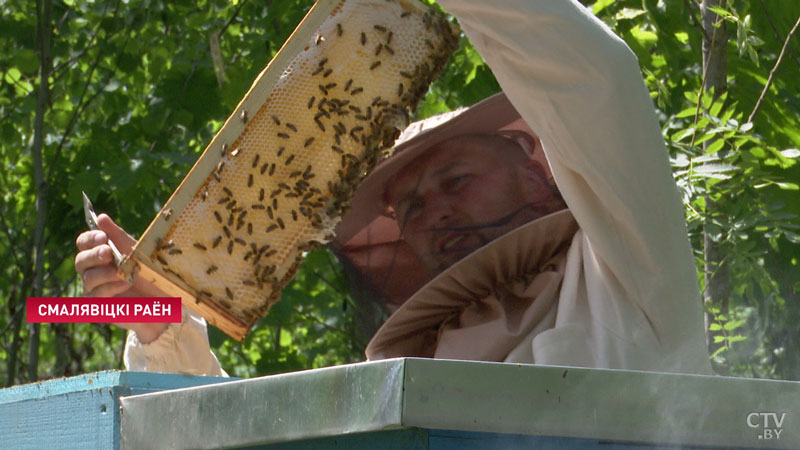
[579,87]
[181,348]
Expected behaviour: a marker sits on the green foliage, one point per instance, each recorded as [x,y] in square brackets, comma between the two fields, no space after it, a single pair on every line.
[738,178]
[135,97]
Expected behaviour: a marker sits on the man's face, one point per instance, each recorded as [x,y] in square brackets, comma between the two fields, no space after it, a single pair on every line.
[466,192]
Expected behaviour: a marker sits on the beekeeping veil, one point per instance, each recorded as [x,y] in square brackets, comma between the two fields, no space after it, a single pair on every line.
[368,238]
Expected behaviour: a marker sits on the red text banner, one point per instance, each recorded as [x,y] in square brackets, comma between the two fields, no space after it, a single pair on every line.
[103,309]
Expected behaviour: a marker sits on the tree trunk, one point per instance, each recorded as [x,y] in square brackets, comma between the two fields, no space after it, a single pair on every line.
[715,59]
[44,31]
[13,351]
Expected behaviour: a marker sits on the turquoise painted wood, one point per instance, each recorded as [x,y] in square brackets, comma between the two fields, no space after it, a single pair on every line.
[79,412]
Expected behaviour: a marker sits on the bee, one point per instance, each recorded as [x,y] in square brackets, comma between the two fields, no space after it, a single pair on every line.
[375,65]
[380,28]
[261,195]
[167,213]
[272,169]
[276,120]
[175,251]
[283,135]
[347,85]
[250,180]
[230,247]
[311,102]
[339,30]
[291,126]
[216,241]
[169,244]
[280,151]
[255,160]
[243,115]
[228,293]
[218,217]
[326,73]
[200,246]
[363,38]
[308,142]
[291,158]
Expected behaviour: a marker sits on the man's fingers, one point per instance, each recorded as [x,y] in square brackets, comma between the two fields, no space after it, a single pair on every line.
[96,256]
[99,281]
[109,289]
[118,236]
[90,239]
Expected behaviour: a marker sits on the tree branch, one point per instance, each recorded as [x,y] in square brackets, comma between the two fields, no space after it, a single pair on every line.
[696,22]
[233,17]
[772,72]
[775,30]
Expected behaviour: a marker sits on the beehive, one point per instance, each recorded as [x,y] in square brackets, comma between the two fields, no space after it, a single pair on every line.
[275,180]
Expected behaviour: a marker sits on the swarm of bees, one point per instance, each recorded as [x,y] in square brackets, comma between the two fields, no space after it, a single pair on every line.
[279,188]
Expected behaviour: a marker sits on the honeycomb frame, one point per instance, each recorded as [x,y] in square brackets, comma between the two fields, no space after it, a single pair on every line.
[250,206]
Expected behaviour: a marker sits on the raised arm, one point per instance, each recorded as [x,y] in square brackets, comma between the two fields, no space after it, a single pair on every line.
[579,87]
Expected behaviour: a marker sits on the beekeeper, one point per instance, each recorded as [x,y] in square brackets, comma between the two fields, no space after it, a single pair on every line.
[541,225]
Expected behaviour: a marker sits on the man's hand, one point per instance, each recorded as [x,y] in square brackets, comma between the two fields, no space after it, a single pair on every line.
[95,265]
